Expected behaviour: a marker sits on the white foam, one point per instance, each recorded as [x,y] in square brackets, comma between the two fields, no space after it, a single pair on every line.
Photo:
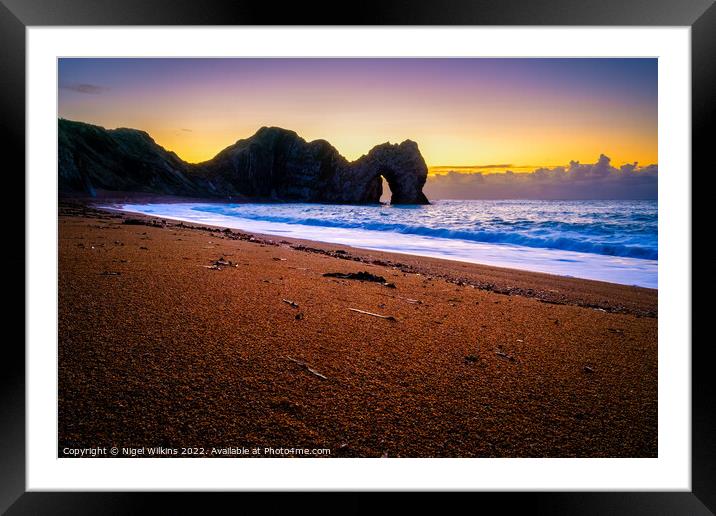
[613,269]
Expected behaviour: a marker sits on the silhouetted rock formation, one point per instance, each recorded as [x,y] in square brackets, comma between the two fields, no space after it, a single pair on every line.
[401,165]
[92,157]
[273,164]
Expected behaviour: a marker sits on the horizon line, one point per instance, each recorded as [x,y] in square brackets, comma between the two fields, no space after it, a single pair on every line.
[501,168]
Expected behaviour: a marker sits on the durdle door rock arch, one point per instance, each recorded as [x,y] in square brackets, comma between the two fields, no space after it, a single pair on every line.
[402,166]
[274,164]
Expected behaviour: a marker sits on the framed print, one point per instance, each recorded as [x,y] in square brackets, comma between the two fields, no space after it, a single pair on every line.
[438,250]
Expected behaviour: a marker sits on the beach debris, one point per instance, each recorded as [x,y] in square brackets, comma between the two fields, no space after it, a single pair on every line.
[506,356]
[110,273]
[134,222]
[414,301]
[387,317]
[588,369]
[217,265]
[277,259]
[616,330]
[360,276]
[299,316]
[292,304]
[470,359]
[223,262]
[550,302]
[307,368]
[143,248]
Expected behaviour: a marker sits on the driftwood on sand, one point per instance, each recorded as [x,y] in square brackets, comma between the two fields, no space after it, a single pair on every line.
[307,368]
[388,317]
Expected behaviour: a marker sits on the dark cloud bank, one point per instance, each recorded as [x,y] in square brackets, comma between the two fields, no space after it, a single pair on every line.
[599,180]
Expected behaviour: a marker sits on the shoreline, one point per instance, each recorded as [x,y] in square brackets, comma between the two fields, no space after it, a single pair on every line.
[174,335]
[501,280]
[569,260]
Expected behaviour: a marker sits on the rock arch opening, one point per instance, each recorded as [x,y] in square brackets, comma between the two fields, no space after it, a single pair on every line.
[392,192]
[386,192]
[397,189]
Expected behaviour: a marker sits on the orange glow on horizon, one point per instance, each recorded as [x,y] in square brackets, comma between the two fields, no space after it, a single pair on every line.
[461,112]
[440,155]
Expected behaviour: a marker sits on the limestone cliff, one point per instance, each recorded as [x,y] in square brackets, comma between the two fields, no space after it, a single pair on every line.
[273,164]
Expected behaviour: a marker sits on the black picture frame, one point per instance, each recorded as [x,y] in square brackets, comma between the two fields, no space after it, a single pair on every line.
[17,15]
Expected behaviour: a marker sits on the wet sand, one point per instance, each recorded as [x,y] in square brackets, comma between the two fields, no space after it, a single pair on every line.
[194,337]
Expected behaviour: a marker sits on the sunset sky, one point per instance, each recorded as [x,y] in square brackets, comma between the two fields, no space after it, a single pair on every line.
[519,114]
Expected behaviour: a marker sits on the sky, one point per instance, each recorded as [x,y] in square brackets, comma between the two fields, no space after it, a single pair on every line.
[467,115]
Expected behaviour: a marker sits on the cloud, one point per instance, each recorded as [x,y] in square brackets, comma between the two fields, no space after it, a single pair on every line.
[186,130]
[600,180]
[89,89]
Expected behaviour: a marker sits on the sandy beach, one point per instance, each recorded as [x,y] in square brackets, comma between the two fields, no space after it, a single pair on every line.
[183,336]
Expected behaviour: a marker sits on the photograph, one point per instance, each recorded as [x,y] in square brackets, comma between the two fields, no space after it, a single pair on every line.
[437,249]
[345,257]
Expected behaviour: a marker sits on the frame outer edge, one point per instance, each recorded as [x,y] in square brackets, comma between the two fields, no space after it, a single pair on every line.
[12,83]
[703,109]
[368,12]
[12,364]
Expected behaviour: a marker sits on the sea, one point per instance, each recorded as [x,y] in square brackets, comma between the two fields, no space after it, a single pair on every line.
[613,241]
